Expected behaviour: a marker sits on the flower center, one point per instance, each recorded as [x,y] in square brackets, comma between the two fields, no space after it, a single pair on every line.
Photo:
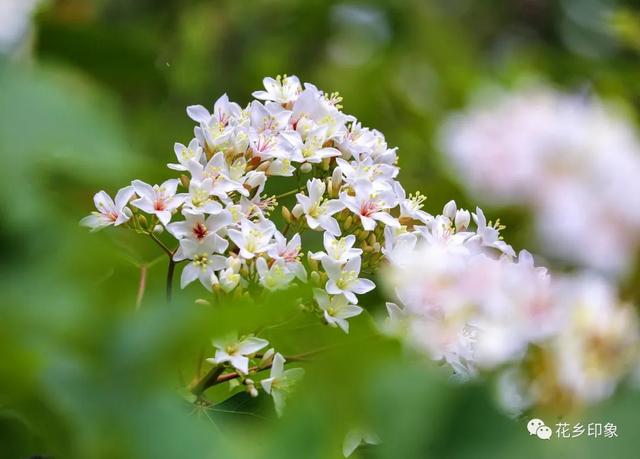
[201,261]
[200,231]
[346,278]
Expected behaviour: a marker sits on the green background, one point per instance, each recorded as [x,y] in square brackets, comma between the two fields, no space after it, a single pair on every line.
[97,97]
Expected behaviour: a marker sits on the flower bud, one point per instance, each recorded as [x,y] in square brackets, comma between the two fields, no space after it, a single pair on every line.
[126,211]
[348,222]
[185,181]
[297,211]
[251,387]
[313,264]
[315,277]
[264,166]
[267,358]
[325,164]
[286,214]
[142,220]
[449,210]
[202,302]
[336,178]
[377,247]
[158,229]
[305,168]
[372,239]
[463,218]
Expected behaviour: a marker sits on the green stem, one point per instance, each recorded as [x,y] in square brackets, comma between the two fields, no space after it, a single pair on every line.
[215,376]
[288,193]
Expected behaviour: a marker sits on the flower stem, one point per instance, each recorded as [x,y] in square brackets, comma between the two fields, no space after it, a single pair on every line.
[172,265]
[170,270]
[288,193]
[215,376]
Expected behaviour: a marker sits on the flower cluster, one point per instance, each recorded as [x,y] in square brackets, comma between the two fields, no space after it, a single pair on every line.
[574,161]
[467,300]
[222,217]
[222,220]
[464,296]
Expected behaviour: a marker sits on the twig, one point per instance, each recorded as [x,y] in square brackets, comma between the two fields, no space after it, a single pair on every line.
[142,285]
[288,193]
[215,376]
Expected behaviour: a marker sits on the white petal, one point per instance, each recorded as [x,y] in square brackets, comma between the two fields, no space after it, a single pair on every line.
[251,345]
[198,113]
[189,274]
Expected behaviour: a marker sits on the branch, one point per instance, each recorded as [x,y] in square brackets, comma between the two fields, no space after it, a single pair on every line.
[215,376]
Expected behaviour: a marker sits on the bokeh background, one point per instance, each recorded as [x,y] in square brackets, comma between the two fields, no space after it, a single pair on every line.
[93,93]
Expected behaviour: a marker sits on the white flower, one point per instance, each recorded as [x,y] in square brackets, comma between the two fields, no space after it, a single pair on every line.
[235,352]
[281,167]
[573,160]
[200,198]
[283,90]
[215,129]
[598,344]
[225,179]
[195,227]
[343,279]
[337,309]
[253,238]
[311,149]
[276,277]
[159,200]
[357,140]
[319,211]
[109,212]
[280,382]
[270,117]
[489,236]
[289,254]
[229,278]
[203,261]
[185,154]
[411,207]
[370,205]
[16,23]
[365,168]
[339,250]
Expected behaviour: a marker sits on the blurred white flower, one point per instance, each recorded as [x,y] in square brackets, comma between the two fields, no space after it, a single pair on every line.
[231,350]
[15,21]
[280,382]
[574,162]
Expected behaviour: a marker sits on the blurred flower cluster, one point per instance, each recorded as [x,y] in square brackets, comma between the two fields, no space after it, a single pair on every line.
[573,160]
[466,299]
